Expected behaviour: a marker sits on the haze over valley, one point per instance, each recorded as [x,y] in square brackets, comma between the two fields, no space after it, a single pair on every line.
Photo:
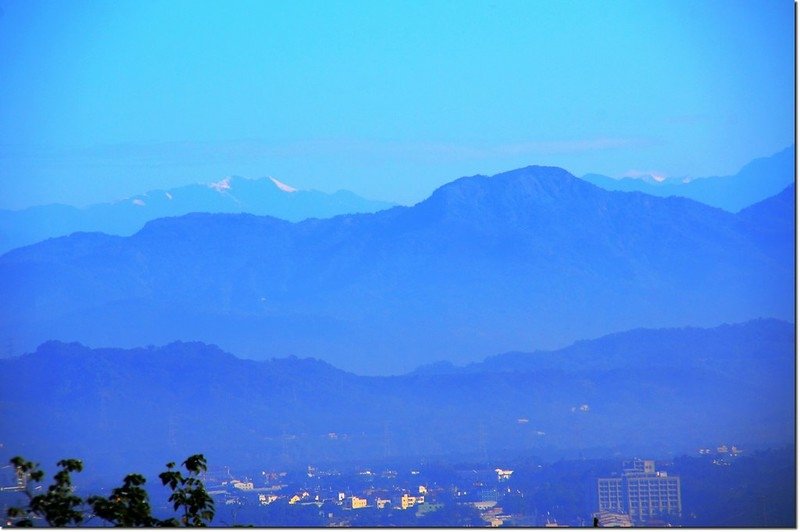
[415,264]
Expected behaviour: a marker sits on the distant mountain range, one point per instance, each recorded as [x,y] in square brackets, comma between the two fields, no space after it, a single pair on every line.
[643,391]
[532,258]
[755,182]
[266,196]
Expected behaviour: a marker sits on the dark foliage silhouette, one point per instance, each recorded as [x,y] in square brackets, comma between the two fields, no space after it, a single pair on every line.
[127,506]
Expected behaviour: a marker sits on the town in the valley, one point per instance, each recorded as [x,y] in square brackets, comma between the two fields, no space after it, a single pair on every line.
[584,492]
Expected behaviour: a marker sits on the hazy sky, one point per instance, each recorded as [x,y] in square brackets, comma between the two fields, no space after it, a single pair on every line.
[100,100]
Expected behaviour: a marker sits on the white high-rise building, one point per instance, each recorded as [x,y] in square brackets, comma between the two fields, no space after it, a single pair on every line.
[641,492]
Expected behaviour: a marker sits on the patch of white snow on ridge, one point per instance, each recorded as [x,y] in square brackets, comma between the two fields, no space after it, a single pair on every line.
[138,202]
[282,186]
[221,186]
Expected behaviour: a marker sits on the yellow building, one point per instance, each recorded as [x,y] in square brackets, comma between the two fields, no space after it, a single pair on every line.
[298,497]
[408,501]
[357,502]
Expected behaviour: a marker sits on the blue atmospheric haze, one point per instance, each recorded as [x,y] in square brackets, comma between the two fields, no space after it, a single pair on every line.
[643,309]
[103,100]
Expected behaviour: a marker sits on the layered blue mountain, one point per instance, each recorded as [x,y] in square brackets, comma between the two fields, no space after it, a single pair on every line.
[651,392]
[266,196]
[532,258]
[756,181]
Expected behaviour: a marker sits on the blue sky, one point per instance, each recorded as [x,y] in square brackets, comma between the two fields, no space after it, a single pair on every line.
[101,100]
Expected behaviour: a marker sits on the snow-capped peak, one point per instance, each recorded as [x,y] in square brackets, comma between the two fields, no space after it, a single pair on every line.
[221,186]
[282,186]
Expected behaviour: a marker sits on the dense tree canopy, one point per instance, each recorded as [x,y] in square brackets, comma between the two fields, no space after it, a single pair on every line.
[127,506]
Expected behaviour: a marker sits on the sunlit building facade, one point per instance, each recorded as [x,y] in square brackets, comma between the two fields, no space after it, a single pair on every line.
[641,492]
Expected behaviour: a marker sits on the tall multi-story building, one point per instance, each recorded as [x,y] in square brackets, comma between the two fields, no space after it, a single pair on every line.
[641,492]
[609,495]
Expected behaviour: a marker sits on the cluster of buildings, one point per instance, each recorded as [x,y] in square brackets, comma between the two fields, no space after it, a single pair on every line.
[723,454]
[722,449]
[334,495]
[637,495]
[370,497]
[640,495]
